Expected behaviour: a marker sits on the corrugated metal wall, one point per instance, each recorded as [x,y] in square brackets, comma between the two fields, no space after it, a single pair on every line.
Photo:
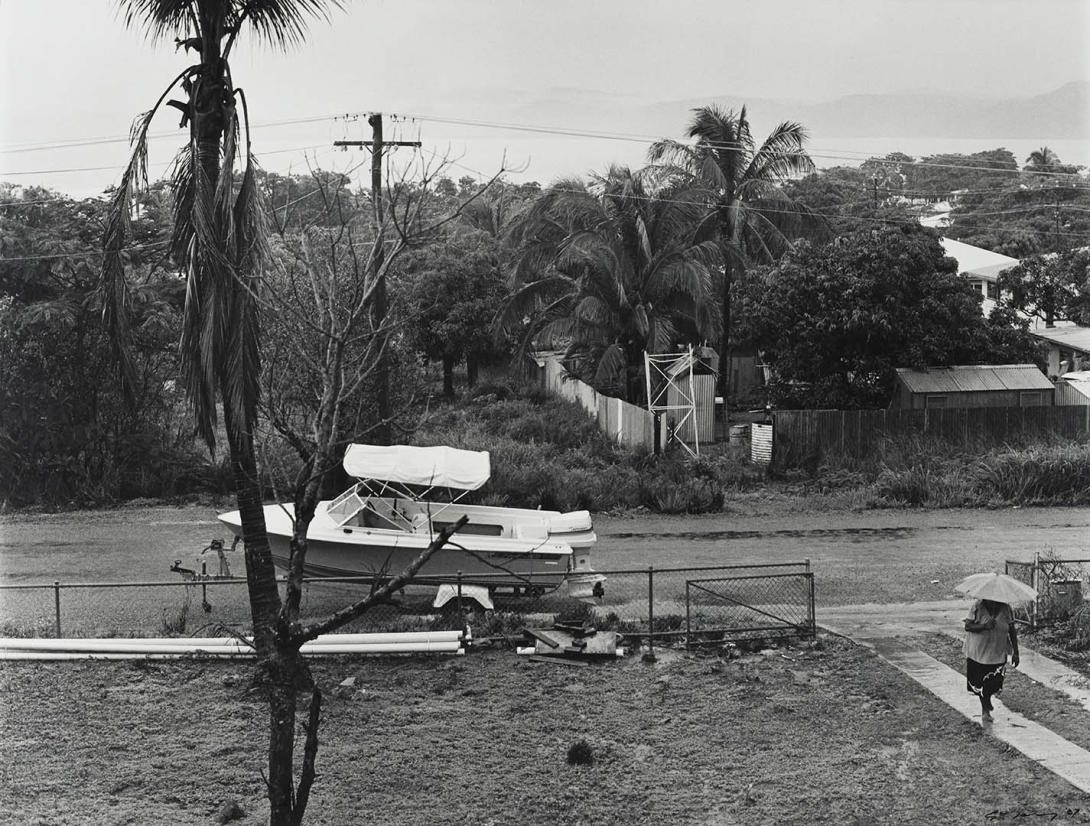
[1068,395]
[704,393]
[761,443]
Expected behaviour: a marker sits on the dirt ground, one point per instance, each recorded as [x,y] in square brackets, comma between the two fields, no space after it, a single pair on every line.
[799,735]
[857,557]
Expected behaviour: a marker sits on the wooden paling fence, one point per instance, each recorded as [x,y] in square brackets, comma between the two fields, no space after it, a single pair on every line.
[805,435]
[628,425]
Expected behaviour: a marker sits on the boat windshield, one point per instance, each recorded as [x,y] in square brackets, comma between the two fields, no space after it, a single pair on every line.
[367,503]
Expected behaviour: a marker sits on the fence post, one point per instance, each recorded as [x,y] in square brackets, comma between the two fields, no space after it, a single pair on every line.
[57,605]
[688,621]
[649,657]
[813,617]
[1035,578]
[460,613]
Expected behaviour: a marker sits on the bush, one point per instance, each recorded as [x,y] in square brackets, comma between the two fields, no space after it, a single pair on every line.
[672,487]
[1041,475]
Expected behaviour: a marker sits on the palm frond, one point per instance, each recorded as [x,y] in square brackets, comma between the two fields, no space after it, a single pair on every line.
[610,368]
[782,155]
[275,22]
[114,286]
[284,22]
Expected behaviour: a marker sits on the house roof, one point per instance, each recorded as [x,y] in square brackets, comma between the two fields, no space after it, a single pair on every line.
[974,378]
[1073,337]
[977,260]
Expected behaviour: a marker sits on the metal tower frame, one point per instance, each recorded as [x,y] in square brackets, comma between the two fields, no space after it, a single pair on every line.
[664,368]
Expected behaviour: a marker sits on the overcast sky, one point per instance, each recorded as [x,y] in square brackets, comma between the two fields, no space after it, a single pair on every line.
[69,69]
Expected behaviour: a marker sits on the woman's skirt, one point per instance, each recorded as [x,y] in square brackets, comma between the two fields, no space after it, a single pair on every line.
[984,679]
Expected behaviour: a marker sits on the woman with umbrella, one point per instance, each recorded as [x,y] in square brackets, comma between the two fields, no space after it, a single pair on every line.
[991,633]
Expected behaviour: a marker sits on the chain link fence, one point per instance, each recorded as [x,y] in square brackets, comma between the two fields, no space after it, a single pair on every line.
[643,604]
[779,605]
[1061,585]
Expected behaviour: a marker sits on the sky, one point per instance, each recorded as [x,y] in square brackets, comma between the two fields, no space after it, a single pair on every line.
[70,69]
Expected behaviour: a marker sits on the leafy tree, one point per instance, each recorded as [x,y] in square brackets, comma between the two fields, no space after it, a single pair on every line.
[1052,287]
[65,434]
[835,321]
[1045,160]
[1026,216]
[937,177]
[750,216]
[612,269]
[456,287]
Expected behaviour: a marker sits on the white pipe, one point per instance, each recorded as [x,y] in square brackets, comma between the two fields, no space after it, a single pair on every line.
[49,656]
[135,647]
[327,639]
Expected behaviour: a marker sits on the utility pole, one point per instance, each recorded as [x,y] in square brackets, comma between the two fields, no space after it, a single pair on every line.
[382,373]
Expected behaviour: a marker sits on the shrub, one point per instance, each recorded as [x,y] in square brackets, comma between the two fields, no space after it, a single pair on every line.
[672,487]
[580,754]
[1045,475]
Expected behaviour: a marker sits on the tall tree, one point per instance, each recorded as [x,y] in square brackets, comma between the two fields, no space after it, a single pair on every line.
[1042,160]
[834,321]
[219,241]
[749,215]
[613,269]
[1053,287]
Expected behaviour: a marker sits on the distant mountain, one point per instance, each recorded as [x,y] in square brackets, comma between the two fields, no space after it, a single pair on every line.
[1063,114]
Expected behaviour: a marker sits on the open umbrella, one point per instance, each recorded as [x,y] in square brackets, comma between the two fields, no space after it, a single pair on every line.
[997,587]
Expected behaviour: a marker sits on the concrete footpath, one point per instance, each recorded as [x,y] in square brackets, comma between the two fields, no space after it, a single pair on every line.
[879,627]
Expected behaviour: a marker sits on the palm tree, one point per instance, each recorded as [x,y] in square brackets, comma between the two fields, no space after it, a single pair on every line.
[748,214]
[1043,159]
[612,269]
[219,242]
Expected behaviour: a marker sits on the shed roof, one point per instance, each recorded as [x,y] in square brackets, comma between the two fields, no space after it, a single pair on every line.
[977,260]
[974,378]
[1075,337]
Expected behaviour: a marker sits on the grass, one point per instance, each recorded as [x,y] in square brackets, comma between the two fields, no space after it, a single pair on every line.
[801,736]
[548,453]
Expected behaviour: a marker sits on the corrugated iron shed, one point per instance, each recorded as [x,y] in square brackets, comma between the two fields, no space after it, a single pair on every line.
[974,378]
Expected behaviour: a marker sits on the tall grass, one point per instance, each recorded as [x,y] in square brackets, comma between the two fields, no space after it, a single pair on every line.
[548,453]
[918,472]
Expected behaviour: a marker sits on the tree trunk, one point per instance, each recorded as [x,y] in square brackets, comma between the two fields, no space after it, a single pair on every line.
[260,571]
[724,341]
[281,751]
[471,371]
[448,376]
[212,103]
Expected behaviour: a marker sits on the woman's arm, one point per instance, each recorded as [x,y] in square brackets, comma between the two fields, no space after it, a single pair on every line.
[973,625]
[1012,632]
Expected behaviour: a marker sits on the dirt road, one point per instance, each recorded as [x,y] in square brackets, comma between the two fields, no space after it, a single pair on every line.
[873,556]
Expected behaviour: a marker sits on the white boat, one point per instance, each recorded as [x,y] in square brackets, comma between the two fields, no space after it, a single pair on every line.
[386,519]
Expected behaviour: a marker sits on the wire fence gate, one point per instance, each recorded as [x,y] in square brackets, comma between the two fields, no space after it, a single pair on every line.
[754,605]
[1061,584]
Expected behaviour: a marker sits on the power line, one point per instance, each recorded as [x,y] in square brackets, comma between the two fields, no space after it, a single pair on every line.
[12,149]
[832,154]
[157,164]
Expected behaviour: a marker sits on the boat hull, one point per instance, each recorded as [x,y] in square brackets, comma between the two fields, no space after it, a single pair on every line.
[481,560]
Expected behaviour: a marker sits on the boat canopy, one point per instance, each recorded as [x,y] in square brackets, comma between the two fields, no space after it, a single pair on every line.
[432,467]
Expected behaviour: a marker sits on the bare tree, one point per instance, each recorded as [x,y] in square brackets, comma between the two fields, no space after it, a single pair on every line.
[312,385]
